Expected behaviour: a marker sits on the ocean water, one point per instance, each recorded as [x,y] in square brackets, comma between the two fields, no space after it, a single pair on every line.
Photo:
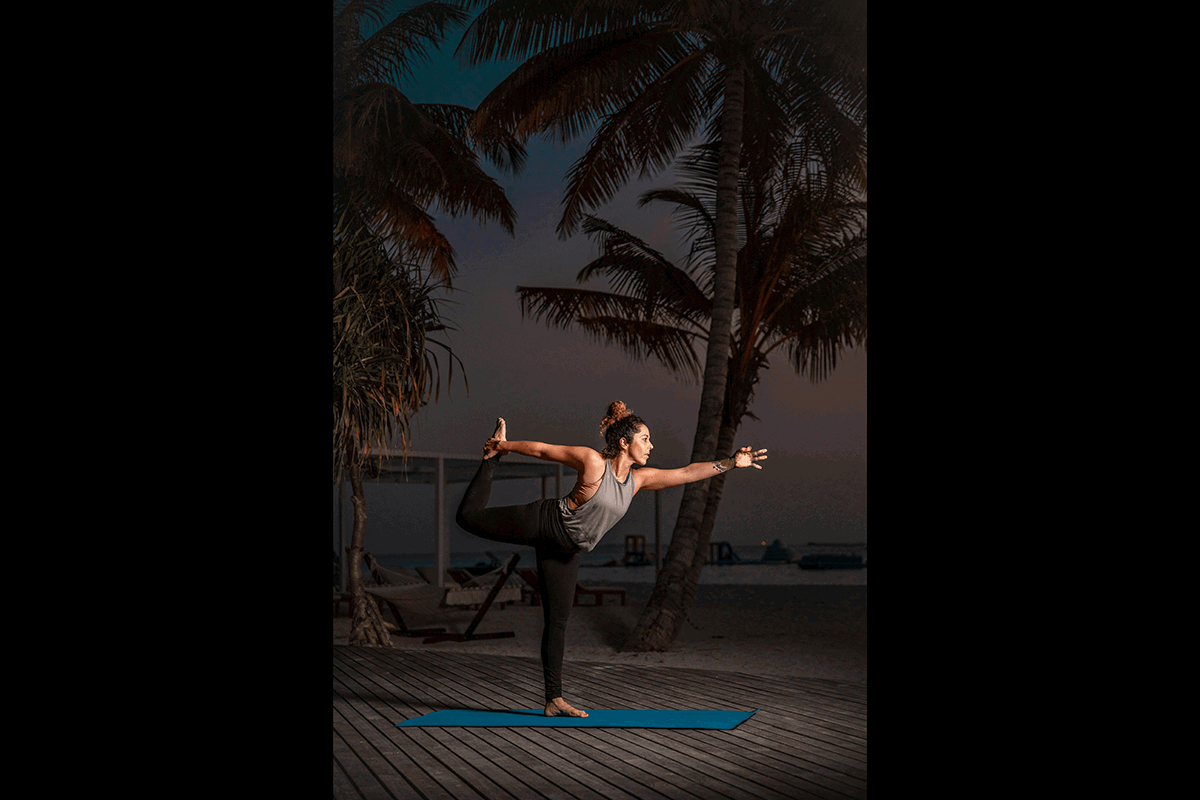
[604,565]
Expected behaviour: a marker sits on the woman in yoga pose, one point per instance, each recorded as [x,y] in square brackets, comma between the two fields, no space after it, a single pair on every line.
[560,530]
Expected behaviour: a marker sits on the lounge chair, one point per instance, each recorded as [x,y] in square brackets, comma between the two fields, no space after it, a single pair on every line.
[394,588]
[581,591]
[469,635]
[472,586]
[428,595]
[464,589]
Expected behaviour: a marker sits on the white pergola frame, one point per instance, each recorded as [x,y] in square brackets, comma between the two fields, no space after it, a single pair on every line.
[441,469]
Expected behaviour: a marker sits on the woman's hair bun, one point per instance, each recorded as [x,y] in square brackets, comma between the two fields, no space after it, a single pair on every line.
[616,411]
[620,424]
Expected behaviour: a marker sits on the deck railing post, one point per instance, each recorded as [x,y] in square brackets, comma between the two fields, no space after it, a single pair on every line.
[441,555]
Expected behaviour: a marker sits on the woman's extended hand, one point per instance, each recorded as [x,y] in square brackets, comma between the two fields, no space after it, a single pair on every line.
[747,456]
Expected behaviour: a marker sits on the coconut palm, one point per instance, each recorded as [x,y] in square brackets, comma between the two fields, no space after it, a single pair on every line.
[801,290]
[652,75]
[393,160]
[383,373]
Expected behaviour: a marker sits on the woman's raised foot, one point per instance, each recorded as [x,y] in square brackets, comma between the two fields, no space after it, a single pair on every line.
[491,448]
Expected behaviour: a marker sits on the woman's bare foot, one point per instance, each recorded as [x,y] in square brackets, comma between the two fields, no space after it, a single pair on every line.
[490,449]
[560,708]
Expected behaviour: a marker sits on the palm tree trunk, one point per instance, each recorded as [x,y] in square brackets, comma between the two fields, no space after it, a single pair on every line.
[669,601]
[366,624]
[712,502]
[739,387]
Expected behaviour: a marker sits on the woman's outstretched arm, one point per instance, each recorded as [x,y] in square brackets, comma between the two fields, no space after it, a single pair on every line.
[577,458]
[581,459]
[653,479]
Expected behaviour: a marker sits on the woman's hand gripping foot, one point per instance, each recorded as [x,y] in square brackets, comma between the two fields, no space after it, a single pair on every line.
[492,447]
[560,708]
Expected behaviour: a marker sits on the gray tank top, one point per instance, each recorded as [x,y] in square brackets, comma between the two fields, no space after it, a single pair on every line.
[588,523]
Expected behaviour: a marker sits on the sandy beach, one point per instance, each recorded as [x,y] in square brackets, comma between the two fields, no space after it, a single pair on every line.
[798,629]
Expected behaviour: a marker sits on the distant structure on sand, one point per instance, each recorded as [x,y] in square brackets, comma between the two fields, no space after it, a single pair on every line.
[830,561]
[722,554]
[833,560]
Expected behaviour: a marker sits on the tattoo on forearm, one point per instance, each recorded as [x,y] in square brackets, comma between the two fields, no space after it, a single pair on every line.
[723,465]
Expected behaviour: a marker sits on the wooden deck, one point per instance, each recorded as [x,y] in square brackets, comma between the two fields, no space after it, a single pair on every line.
[809,738]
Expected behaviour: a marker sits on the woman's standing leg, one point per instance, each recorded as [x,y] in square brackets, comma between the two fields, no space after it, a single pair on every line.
[557,570]
[557,575]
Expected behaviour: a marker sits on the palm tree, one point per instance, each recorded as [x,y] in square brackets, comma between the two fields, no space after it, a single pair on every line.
[394,159]
[655,74]
[801,290]
[383,373]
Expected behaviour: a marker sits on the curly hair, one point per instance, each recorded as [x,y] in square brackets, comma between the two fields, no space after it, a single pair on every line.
[618,423]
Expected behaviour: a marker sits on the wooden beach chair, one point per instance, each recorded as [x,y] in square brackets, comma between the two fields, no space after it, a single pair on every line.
[477,584]
[598,593]
[470,635]
[433,599]
[390,576]
[415,596]
[464,589]
[394,588]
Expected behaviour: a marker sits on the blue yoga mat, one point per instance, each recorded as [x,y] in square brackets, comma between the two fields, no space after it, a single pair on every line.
[598,718]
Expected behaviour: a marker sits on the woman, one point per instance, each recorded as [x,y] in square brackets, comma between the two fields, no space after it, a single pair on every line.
[561,530]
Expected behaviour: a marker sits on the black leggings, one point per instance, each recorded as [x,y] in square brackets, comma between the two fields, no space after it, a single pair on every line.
[558,561]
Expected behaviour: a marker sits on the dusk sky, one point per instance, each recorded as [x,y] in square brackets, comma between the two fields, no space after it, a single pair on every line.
[554,386]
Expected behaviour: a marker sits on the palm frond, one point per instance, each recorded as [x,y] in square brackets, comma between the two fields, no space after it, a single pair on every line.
[644,135]
[821,308]
[638,270]
[518,29]
[394,160]
[497,145]
[383,370]
[387,50]
[564,307]
[566,89]
[673,347]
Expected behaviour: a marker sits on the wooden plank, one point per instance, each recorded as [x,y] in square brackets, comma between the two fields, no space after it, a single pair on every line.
[777,708]
[685,753]
[580,762]
[735,688]
[823,775]
[819,769]
[807,740]
[630,770]
[479,773]
[683,694]
[564,774]
[708,692]
[624,753]
[491,744]
[449,765]
[699,760]
[372,777]
[402,770]
[343,787]
[577,775]
[356,774]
